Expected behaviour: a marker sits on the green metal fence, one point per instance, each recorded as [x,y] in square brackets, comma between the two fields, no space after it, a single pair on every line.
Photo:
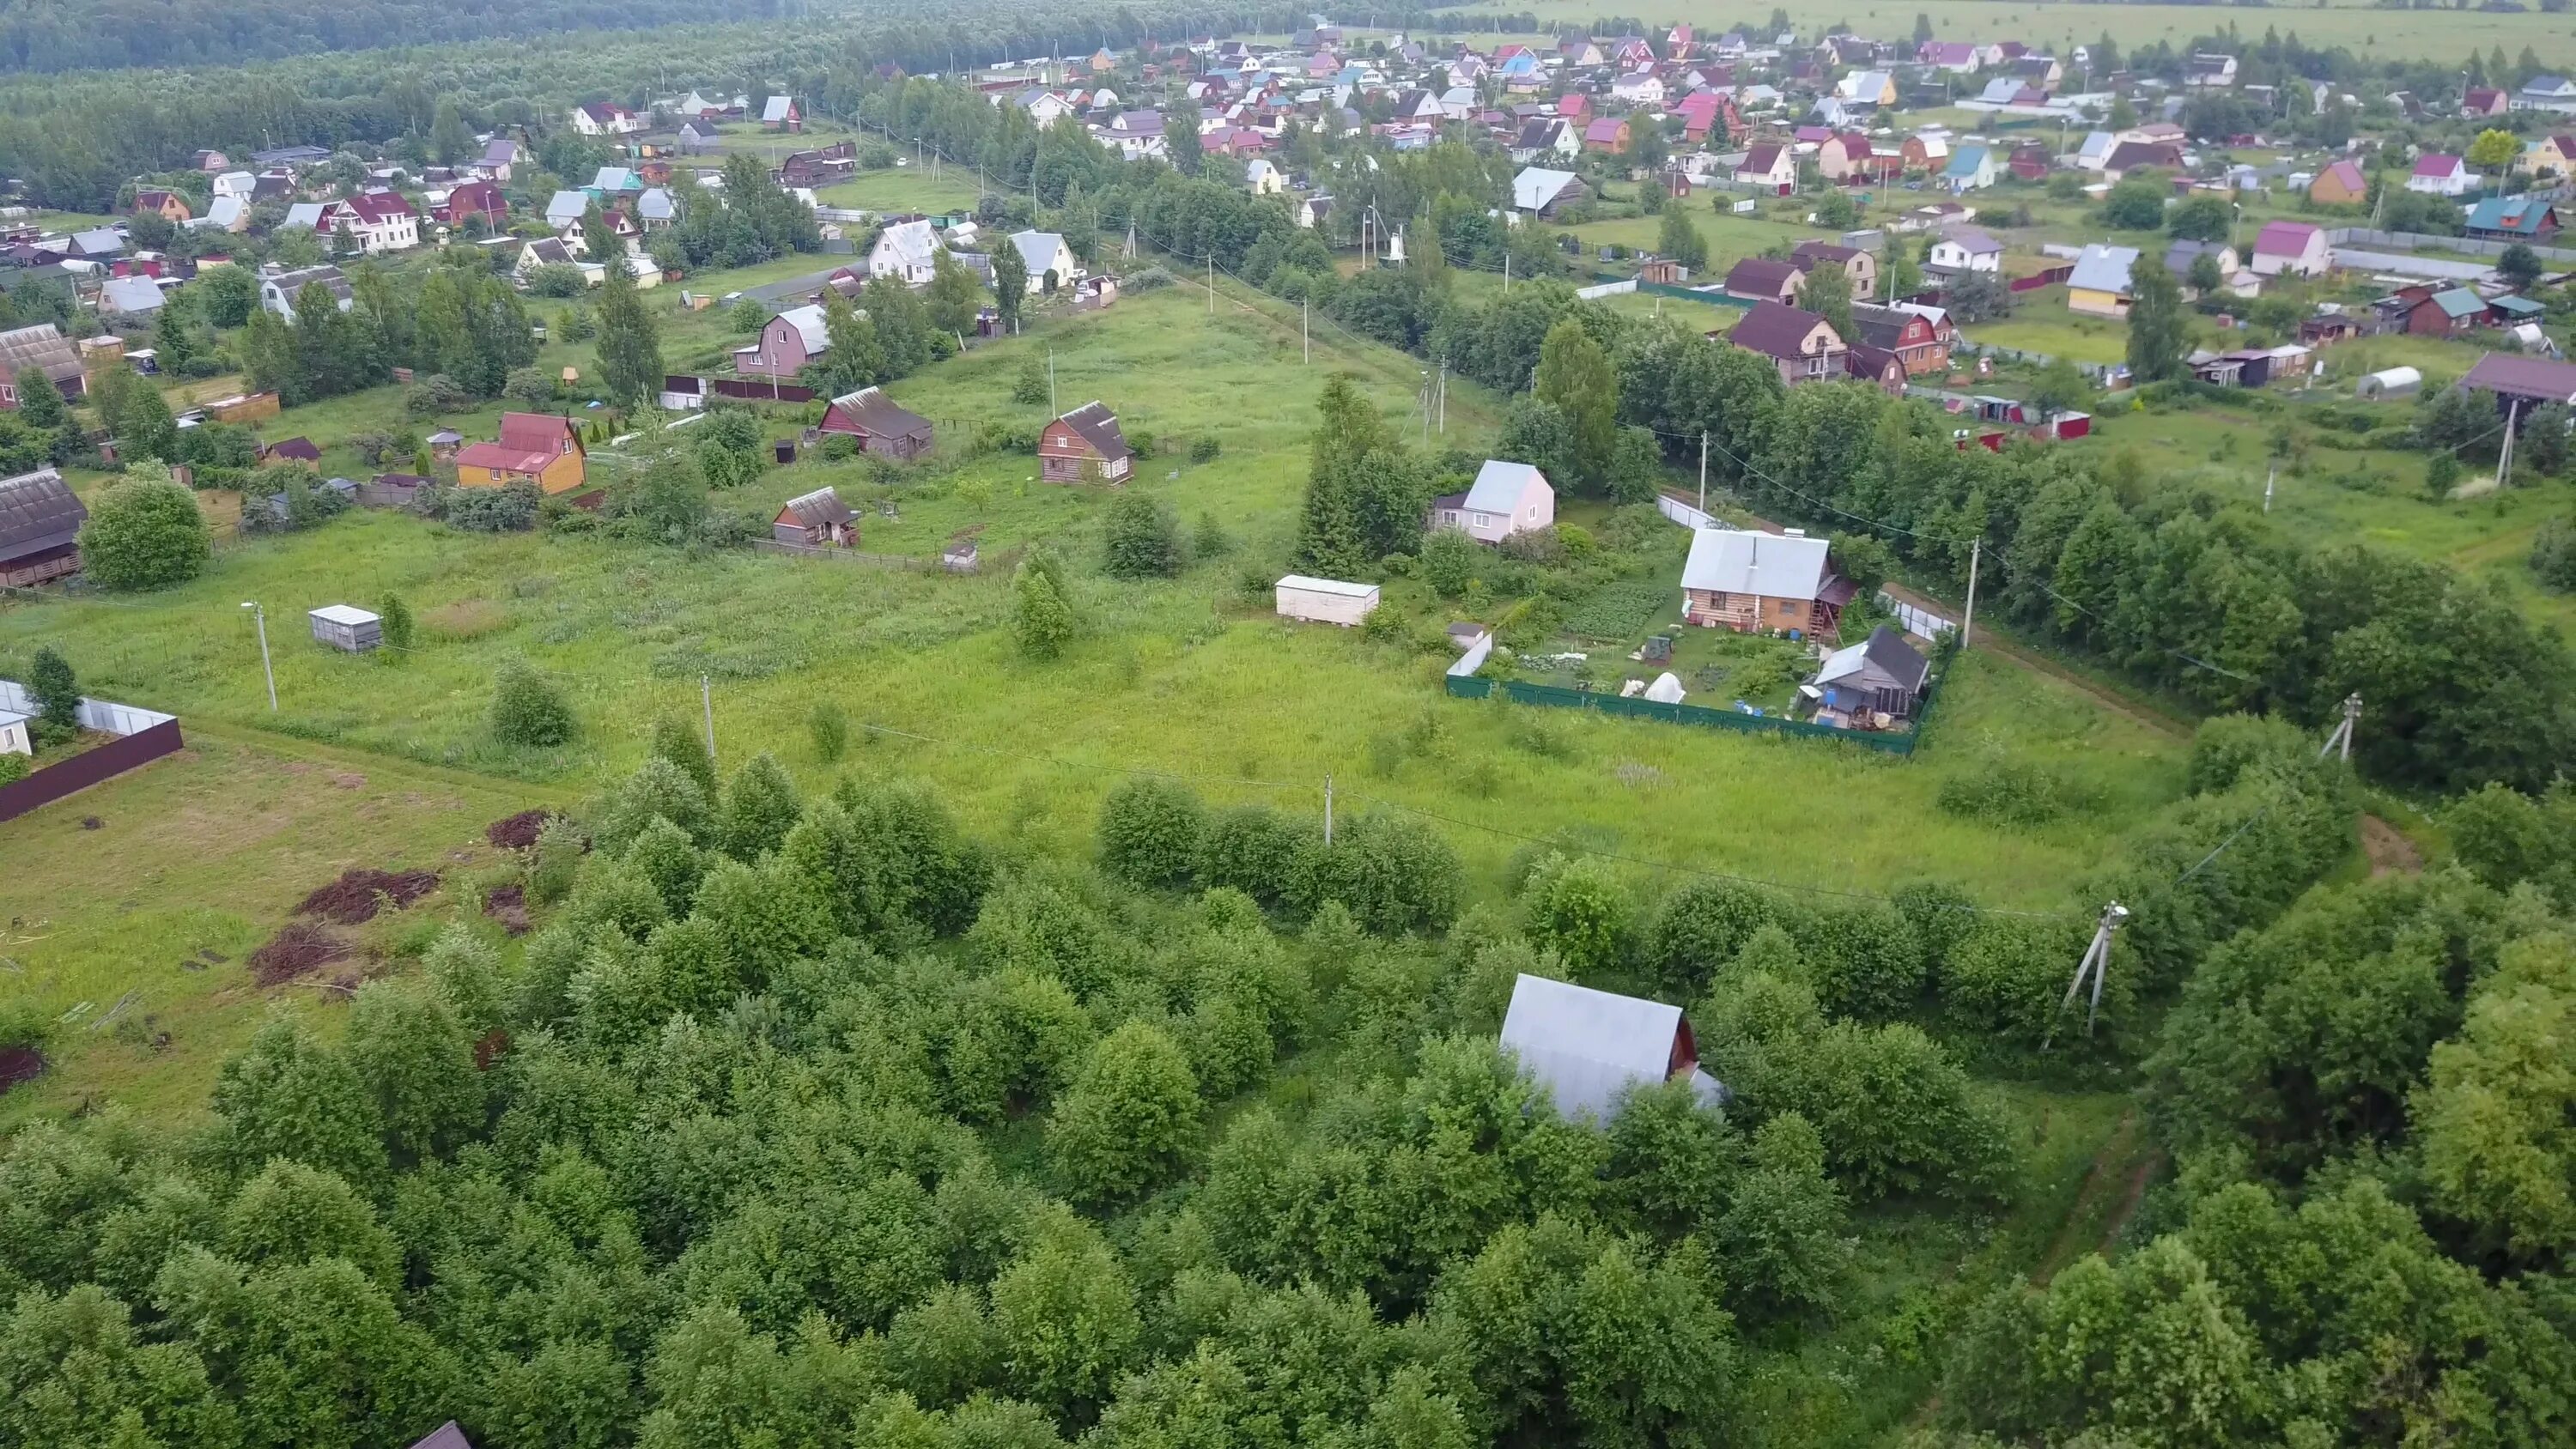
[1669,289]
[1469,686]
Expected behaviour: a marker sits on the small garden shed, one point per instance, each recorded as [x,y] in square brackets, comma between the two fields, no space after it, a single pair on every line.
[816,520]
[345,626]
[1325,601]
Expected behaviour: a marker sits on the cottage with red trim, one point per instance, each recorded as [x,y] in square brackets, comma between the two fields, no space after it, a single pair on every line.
[1082,441]
[2292,248]
[538,448]
[882,429]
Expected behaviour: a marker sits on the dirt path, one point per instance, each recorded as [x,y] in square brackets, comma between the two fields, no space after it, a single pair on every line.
[2109,698]
[2110,1196]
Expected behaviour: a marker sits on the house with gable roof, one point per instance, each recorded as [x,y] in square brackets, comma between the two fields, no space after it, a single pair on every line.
[1507,498]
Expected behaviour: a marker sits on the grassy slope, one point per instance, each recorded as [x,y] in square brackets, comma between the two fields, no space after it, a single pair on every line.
[204,851]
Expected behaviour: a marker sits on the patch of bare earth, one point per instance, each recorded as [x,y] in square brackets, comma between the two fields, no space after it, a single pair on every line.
[2388,851]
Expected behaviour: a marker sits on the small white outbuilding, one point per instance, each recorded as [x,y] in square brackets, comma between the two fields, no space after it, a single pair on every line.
[1325,601]
[343,626]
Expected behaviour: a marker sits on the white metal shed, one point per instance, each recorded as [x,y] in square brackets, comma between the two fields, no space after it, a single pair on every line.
[1325,601]
[344,626]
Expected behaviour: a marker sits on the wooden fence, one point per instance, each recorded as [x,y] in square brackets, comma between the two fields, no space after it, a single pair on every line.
[88,768]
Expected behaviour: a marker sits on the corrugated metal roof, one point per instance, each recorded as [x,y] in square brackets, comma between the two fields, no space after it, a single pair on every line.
[1340,587]
[1499,485]
[1732,561]
[38,512]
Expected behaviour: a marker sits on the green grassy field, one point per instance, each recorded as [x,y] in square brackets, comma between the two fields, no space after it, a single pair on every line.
[2059,28]
[195,860]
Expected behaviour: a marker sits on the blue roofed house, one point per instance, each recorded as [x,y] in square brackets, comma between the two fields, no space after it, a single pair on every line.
[2546,93]
[2099,282]
[1507,498]
[1588,1048]
[2513,218]
[1971,168]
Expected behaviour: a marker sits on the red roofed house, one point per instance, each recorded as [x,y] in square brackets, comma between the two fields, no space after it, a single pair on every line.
[381,221]
[2340,184]
[1086,438]
[1760,279]
[1805,346]
[476,198]
[2484,101]
[1574,106]
[169,205]
[2294,248]
[1840,155]
[539,448]
[1609,134]
[2439,175]
[1771,167]
[1702,109]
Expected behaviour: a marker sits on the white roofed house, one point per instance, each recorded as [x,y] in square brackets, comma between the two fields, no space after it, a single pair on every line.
[1589,1048]
[130,296]
[1507,498]
[906,251]
[1264,178]
[1543,192]
[565,208]
[1044,252]
[1755,582]
[790,340]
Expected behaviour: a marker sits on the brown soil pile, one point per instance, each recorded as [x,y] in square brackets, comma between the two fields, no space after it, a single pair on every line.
[20,1064]
[517,832]
[509,905]
[296,949]
[358,894]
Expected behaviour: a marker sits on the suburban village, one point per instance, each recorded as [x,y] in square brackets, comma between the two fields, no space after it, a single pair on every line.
[804,731]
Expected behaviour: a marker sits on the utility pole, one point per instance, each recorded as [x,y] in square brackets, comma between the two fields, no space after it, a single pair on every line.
[2267,486]
[707,704]
[1703,472]
[1305,339]
[1968,626]
[1444,397]
[1211,281]
[2097,964]
[2339,740]
[1507,273]
[2504,455]
[1328,810]
[1052,410]
[259,616]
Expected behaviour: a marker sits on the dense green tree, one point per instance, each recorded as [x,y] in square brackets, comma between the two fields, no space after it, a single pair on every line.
[1010,286]
[1141,538]
[630,344]
[144,533]
[759,808]
[1575,376]
[528,708]
[417,1061]
[1131,1118]
[1150,832]
[2159,329]
[289,1096]
[1828,294]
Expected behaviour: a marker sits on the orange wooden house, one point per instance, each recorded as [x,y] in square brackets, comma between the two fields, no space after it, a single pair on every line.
[539,447]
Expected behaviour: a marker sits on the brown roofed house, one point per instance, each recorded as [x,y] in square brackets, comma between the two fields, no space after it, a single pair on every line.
[1859,265]
[1804,345]
[816,520]
[538,448]
[882,428]
[1760,279]
[1087,437]
[40,524]
[43,347]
